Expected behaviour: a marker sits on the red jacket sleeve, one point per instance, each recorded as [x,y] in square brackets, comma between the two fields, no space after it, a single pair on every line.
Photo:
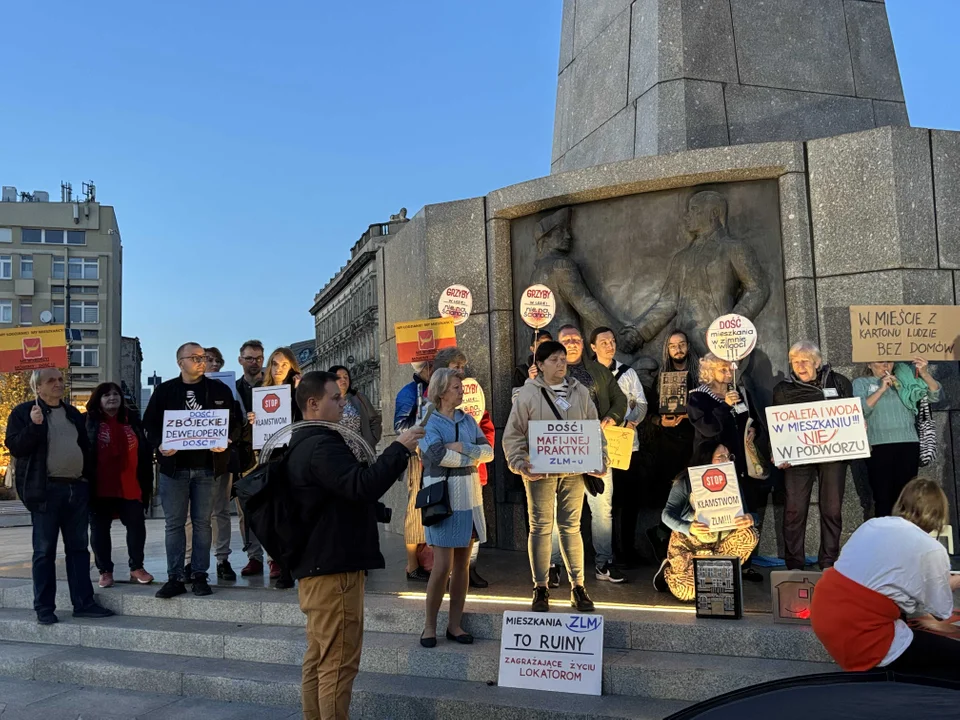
[490,433]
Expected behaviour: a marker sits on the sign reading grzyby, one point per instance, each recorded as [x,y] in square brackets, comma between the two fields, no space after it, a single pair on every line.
[195,429]
[456,302]
[538,305]
[566,447]
[715,495]
[556,652]
[274,410]
[731,337]
[474,401]
[904,332]
[825,431]
[619,445]
[33,348]
[421,340]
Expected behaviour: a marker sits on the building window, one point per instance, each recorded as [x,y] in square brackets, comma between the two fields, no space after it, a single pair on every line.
[84,311]
[53,237]
[26,313]
[57,308]
[26,267]
[6,235]
[6,267]
[84,289]
[87,356]
[6,311]
[83,268]
[59,267]
[31,235]
[76,237]
[89,333]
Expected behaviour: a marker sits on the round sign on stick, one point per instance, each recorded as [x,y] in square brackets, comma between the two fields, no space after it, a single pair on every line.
[474,401]
[732,337]
[538,305]
[456,302]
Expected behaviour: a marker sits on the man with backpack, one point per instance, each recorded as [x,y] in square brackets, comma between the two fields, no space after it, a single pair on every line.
[336,496]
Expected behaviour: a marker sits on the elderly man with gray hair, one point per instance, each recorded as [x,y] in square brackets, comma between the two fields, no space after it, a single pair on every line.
[48,438]
[812,381]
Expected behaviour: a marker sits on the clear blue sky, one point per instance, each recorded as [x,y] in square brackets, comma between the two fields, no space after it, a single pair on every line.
[246,150]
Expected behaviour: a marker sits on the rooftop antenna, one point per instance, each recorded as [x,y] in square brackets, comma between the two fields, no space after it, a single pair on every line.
[89,192]
[66,192]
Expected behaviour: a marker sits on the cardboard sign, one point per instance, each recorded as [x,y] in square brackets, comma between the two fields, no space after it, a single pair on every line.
[556,652]
[195,429]
[673,393]
[619,445]
[731,337]
[228,378]
[716,495]
[33,348]
[538,306]
[456,302]
[904,332]
[273,407]
[791,592]
[825,431]
[474,401]
[565,447]
[719,587]
[421,340]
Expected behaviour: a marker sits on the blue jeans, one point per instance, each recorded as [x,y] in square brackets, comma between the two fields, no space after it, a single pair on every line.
[601,525]
[67,513]
[193,489]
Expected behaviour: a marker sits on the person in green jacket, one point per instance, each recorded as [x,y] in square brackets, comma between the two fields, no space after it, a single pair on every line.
[611,408]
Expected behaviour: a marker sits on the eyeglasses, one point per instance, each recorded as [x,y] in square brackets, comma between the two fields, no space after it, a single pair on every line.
[725,458]
[195,359]
[250,358]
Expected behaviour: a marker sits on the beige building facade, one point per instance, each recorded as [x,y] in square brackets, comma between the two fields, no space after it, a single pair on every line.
[65,258]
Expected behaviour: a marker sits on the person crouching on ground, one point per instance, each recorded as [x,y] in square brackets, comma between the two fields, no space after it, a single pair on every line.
[452,451]
[337,496]
[891,566]
[691,537]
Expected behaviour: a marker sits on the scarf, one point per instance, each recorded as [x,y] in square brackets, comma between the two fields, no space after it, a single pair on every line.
[911,388]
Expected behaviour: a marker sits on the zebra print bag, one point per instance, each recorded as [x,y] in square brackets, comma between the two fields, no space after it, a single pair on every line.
[927,432]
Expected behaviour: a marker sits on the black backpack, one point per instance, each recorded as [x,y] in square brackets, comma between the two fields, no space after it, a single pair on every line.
[269,509]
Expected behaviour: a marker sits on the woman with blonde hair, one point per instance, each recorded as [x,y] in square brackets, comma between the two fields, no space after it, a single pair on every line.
[891,566]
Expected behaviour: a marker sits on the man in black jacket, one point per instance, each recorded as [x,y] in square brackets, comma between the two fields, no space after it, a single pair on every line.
[187,477]
[48,438]
[337,496]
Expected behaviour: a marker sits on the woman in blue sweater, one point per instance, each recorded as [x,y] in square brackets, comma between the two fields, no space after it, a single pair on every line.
[891,396]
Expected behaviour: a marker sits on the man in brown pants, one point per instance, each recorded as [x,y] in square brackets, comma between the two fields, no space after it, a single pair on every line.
[337,499]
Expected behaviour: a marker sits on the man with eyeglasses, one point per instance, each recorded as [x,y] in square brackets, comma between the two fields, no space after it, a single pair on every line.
[251,360]
[187,477]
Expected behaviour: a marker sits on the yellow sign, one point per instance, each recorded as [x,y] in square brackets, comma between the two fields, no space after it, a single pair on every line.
[619,446]
[904,332]
[421,340]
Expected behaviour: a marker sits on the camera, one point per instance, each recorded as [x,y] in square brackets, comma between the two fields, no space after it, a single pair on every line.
[384,514]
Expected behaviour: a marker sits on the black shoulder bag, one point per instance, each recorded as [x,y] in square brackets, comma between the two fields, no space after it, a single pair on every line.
[433,501]
[594,485]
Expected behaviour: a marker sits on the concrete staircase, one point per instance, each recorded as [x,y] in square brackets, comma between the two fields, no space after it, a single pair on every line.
[245,646]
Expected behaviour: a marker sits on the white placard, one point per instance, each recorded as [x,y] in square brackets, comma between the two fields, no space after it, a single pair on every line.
[731,337]
[456,302]
[565,447]
[228,378]
[274,411]
[195,429]
[538,306]
[556,652]
[474,401]
[825,431]
[716,495]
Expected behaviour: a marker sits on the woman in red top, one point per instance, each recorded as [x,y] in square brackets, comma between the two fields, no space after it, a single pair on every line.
[121,482]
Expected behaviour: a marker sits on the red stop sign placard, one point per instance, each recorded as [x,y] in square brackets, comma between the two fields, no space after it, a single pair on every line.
[714,480]
[271,403]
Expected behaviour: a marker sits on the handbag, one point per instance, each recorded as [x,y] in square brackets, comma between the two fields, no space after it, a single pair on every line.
[594,485]
[927,432]
[433,501]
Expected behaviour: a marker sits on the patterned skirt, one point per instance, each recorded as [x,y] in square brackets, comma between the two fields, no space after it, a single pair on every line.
[412,527]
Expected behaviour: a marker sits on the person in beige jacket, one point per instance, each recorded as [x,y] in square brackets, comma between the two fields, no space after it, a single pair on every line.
[550,497]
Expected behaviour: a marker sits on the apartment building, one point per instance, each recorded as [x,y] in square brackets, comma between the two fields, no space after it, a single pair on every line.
[61,263]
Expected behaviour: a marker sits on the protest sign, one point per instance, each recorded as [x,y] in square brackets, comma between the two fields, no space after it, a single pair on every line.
[673,393]
[557,652]
[825,431]
[195,429]
[274,410]
[456,302]
[716,495]
[731,337]
[791,593]
[619,445]
[421,340]
[474,401]
[904,332]
[228,378]
[33,348]
[538,306]
[565,446]
[718,581]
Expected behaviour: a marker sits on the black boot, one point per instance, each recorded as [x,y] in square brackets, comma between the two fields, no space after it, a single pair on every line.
[475,580]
